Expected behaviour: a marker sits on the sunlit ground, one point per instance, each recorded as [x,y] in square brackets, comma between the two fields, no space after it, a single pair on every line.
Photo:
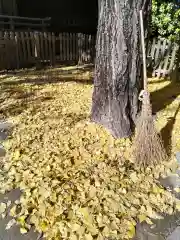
[78,182]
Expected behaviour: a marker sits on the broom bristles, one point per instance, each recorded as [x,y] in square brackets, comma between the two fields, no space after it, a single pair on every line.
[148,145]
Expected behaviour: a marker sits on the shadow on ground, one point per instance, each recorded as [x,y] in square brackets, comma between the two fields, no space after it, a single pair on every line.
[166,132]
[48,76]
[164,96]
[160,100]
[20,89]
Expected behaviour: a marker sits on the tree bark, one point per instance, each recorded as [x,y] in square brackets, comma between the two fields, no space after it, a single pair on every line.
[117,78]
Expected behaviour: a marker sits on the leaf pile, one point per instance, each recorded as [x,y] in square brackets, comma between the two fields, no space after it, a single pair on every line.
[77,181]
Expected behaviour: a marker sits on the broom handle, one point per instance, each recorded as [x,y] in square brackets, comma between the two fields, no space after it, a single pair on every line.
[143,51]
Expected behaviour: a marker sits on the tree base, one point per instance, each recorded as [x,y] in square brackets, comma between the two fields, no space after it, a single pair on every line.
[112,114]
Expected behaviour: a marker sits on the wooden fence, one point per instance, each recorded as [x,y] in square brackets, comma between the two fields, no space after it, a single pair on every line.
[21,49]
[163,54]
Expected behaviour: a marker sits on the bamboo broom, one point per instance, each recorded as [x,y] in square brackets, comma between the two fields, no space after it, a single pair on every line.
[148,145]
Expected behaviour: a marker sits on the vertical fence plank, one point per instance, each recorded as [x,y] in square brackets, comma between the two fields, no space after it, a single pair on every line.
[86,47]
[53,49]
[6,60]
[82,48]
[50,47]
[37,46]
[12,50]
[173,57]
[71,46]
[41,42]
[153,47]
[64,46]
[24,56]
[93,45]
[74,46]
[28,46]
[166,61]
[46,46]
[156,55]
[17,50]
[20,49]
[163,47]
[67,46]
[158,47]
[79,48]
[32,46]
[60,47]
[89,47]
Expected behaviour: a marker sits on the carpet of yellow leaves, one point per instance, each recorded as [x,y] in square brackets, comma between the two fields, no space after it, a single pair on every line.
[77,181]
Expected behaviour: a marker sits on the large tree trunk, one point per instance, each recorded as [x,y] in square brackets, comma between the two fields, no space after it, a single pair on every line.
[117,78]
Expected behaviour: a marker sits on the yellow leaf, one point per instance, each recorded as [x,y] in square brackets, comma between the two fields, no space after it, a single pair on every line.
[13,211]
[88,237]
[16,155]
[8,203]
[178,206]
[99,220]
[44,226]
[157,190]
[177,190]
[3,215]
[106,231]
[21,220]
[92,191]
[133,177]
[2,208]
[131,231]
[91,228]
[148,220]
[100,237]
[73,237]
[23,230]
[75,227]
[142,218]
[85,213]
